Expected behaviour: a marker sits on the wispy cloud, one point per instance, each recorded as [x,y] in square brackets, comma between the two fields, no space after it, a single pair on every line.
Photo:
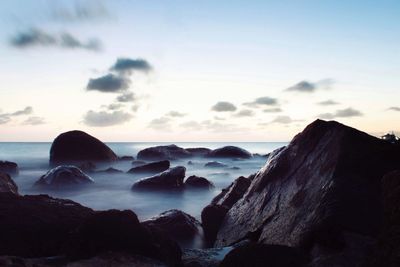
[394,108]
[224,106]
[245,113]
[175,114]
[34,121]
[262,101]
[328,102]
[272,110]
[341,113]
[126,97]
[310,87]
[7,117]
[79,11]
[160,123]
[105,118]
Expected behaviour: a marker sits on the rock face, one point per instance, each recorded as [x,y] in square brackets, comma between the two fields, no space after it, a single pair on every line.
[78,146]
[62,176]
[151,168]
[198,182]
[321,193]
[230,152]
[230,195]
[37,226]
[120,231]
[169,179]
[215,164]
[9,167]
[169,152]
[7,185]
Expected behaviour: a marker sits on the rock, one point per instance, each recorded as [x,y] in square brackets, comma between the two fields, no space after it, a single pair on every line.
[198,151]
[169,152]
[190,162]
[215,164]
[260,255]
[169,179]
[230,195]
[120,231]
[77,146]
[62,176]
[257,155]
[110,171]
[234,168]
[151,168]
[206,257]
[321,193]
[211,220]
[138,162]
[87,167]
[37,226]
[126,158]
[176,224]
[198,182]
[230,152]
[9,167]
[7,184]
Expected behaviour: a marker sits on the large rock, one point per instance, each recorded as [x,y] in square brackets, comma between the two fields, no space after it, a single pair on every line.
[230,195]
[9,167]
[37,226]
[198,182]
[151,168]
[169,152]
[7,185]
[230,152]
[169,179]
[321,193]
[198,151]
[120,231]
[77,146]
[62,176]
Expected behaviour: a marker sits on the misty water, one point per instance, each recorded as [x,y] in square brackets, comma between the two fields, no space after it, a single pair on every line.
[113,191]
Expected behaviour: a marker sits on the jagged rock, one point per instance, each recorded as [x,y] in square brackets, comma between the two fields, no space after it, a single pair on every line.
[235,191]
[321,193]
[169,152]
[9,167]
[215,164]
[7,184]
[110,171]
[62,176]
[169,179]
[198,182]
[126,158]
[77,146]
[151,168]
[37,226]
[198,151]
[230,152]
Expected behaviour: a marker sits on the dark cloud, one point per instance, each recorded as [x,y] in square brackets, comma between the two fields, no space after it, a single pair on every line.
[272,110]
[79,11]
[175,114]
[36,38]
[341,113]
[126,97]
[104,118]
[160,123]
[109,83]
[25,111]
[34,121]
[245,113]
[328,102]
[262,101]
[394,108]
[127,65]
[223,106]
[310,87]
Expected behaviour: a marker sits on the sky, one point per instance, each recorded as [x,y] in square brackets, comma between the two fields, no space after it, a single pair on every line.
[196,70]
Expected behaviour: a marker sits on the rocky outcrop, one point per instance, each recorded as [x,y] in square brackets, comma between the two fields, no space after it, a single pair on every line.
[77,146]
[9,167]
[215,164]
[198,151]
[169,152]
[7,185]
[198,182]
[321,193]
[62,176]
[151,168]
[169,179]
[233,152]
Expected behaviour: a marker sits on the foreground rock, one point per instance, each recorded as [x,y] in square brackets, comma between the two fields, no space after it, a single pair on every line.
[169,152]
[77,146]
[198,182]
[151,168]
[7,185]
[9,167]
[169,179]
[321,193]
[62,176]
[230,152]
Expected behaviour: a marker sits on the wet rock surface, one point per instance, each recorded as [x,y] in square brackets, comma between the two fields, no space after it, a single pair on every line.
[169,152]
[64,176]
[230,152]
[169,179]
[198,182]
[151,168]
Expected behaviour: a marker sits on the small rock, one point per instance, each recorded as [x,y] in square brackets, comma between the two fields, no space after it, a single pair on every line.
[9,167]
[230,152]
[169,179]
[169,152]
[198,182]
[126,158]
[110,171]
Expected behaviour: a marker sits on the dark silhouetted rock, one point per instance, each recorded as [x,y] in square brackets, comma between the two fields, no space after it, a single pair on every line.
[138,162]
[215,164]
[230,152]
[321,193]
[87,167]
[9,167]
[169,179]
[151,168]
[230,195]
[7,184]
[261,255]
[169,152]
[127,158]
[76,146]
[110,171]
[37,226]
[62,176]
[198,182]
[120,231]
[211,220]
[198,151]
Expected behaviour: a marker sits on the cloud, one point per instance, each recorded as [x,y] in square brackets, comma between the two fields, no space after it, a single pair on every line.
[36,38]
[175,114]
[192,125]
[79,11]
[310,87]
[341,113]
[4,118]
[126,97]
[262,101]
[245,113]
[104,118]
[34,121]
[160,123]
[25,111]
[328,102]
[394,108]
[109,83]
[113,106]
[127,65]
[272,110]
[283,120]
[223,106]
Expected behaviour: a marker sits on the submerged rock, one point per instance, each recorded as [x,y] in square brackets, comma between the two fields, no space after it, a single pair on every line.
[215,164]
[76,146]
[169,179]
[61,176]
[9,167]
[151,168]
[7,185]
[198,182]
[169,152]
[110,171]
[230,152]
